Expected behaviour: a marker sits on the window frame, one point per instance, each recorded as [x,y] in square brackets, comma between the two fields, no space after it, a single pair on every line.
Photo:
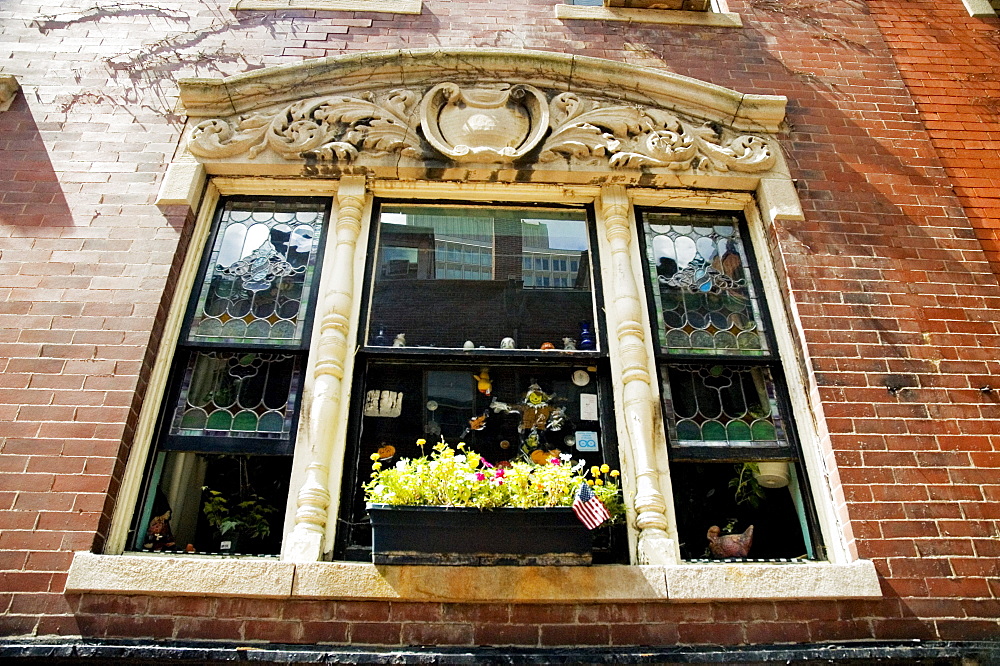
[355,464]
[774,361]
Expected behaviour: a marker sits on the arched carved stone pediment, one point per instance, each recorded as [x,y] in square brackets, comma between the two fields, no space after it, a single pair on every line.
[480,111]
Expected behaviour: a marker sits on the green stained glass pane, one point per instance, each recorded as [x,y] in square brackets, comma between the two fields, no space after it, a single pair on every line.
[678,339]
[246,421]
[737,431]
[713,431]
[282,330]
[194,419]
[688,430]
[234,328]
[262,262]
[702,339]
[258,329]
[220,420]
[748,341]
[271,422]
[725,340]
[209,328]
[763,431]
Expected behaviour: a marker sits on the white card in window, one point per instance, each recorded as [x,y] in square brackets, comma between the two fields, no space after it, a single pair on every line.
[586,440]
[588,406]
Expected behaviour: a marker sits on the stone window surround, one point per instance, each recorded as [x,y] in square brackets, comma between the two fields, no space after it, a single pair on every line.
[764,197]
[980,8]
[717,16]
[381,6]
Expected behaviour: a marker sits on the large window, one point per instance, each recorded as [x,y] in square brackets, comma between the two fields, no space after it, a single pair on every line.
[481,326]
[218,479]
[734,458]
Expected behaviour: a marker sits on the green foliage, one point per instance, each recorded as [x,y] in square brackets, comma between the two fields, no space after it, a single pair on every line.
[450,477]
[745,487]
[248,518]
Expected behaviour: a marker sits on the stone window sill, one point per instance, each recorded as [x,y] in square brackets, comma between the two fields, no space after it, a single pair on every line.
[267,578]
[383,6]
[662,16]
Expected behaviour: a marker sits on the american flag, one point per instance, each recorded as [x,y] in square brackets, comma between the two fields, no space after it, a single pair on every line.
[588,507]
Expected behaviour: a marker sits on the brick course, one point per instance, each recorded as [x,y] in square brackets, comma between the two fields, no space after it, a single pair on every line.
[891,135]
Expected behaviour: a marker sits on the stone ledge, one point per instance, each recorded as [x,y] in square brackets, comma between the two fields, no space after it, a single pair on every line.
[660,16]
[263,578]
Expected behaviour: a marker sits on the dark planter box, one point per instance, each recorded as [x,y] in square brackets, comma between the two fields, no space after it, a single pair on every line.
[464,536]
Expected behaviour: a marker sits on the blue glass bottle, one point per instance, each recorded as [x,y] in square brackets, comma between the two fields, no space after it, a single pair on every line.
[586,336]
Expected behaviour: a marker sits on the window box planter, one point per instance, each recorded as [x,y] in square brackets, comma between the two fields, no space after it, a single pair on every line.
[462,536]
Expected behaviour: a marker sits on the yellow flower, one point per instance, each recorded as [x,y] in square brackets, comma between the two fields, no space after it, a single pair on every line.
[461,445]
[595,470]
[374,456]
[590,482]
[377,466]
[421,442]
[605,469]
[615,473]
[599,482]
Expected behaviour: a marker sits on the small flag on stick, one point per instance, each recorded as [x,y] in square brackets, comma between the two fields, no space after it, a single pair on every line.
[588,507]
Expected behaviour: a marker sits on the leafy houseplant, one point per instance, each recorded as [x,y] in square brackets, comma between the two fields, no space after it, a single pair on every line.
[512,513]
[248,518]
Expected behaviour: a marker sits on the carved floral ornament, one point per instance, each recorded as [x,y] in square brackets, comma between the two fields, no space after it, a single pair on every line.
[498,124]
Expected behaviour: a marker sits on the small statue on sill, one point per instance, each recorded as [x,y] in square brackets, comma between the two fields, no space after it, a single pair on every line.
[159,536]
[729,545]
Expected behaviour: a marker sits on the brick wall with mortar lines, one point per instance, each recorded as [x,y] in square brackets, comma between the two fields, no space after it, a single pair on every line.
[886,276]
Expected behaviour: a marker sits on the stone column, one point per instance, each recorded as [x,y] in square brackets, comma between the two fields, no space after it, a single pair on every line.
[305,543]
[625,320]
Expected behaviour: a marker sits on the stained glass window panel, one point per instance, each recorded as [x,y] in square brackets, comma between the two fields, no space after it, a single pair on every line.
[244,395]
[705,301]
[260,273]
[722,406]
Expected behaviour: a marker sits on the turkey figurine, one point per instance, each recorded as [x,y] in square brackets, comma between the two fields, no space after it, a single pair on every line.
[729,545]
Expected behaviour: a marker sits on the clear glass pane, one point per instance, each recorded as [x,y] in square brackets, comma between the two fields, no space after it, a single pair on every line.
[705,302]
[722,405]
[261,268]
[448,275]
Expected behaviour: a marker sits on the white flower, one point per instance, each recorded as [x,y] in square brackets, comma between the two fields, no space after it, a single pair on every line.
[401,465]
[565,457]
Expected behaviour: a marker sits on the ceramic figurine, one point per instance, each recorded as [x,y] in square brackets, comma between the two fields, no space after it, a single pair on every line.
[547,346]
[483,383]
[159,535]
[569,344]
[469,344]
[400,340]
[729,545]
[507,343]
[538,416]
[586,336]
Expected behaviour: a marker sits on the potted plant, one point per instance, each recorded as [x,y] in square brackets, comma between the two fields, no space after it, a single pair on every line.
[246,519]
[454,507]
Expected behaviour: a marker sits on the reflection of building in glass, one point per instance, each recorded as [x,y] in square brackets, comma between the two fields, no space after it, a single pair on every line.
[454,248]
[545,267]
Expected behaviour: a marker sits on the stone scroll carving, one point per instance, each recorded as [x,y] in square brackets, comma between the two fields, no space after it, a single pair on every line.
[484,124]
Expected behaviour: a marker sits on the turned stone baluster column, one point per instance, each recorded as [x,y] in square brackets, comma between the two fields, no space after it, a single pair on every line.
[625,319]
[305,543]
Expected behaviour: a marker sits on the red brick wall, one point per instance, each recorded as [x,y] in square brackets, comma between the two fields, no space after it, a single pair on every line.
[887,275]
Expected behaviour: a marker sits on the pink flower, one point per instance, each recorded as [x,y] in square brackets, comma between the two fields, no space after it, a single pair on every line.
[499,474]
[480,476]
[486,463]
[556,461]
